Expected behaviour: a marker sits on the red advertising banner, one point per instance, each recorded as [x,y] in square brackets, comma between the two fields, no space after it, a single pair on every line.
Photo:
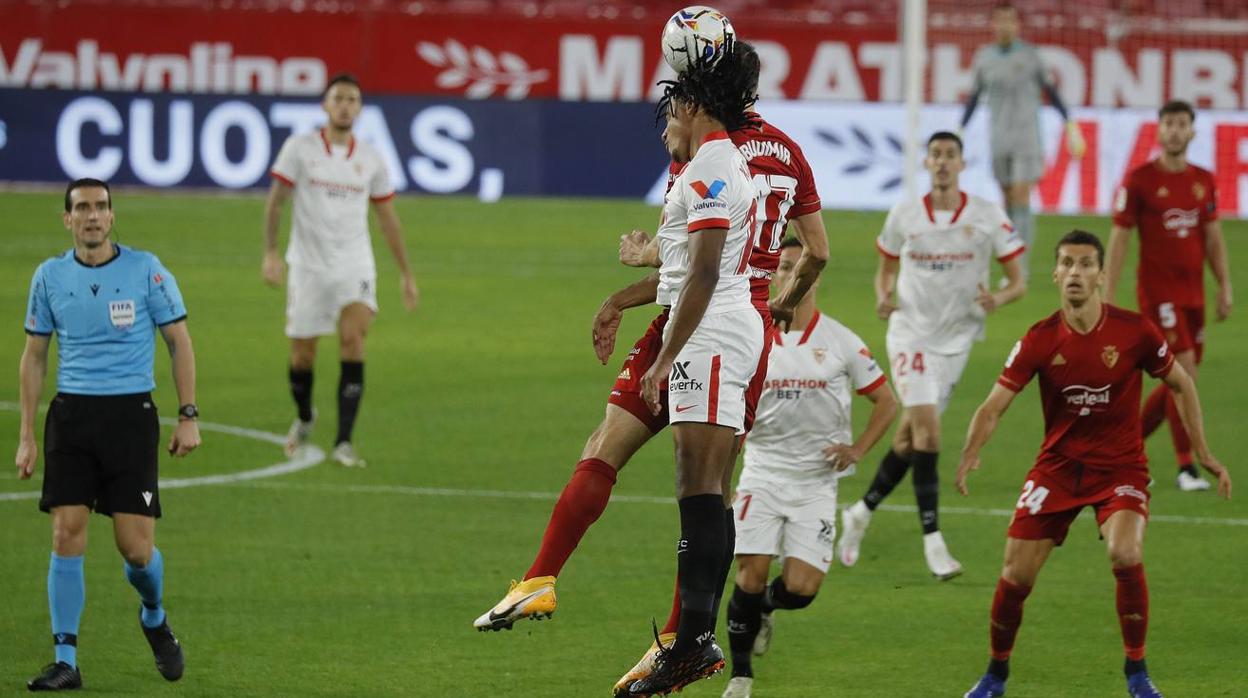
[199,48]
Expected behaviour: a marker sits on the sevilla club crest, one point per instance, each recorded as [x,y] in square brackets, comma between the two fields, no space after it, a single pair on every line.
[1110,355]
[820,354]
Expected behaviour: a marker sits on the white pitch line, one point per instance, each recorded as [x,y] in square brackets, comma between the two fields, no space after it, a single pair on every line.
[307,457]
[644,499]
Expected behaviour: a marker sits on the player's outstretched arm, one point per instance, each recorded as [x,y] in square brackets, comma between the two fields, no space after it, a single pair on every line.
[983,424]
[638,249]
[607,319]
[1115,260]
[1220,265]
[885,282]
[392,231]
[31,372]
[1188,404]
[884,410]
[178,339]
[272,268]
[706,246]
[810,230]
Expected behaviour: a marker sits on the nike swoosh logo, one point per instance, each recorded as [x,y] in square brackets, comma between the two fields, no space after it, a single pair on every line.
[511,609]
[685,408]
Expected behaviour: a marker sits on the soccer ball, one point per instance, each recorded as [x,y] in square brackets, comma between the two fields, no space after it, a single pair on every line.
[696,34]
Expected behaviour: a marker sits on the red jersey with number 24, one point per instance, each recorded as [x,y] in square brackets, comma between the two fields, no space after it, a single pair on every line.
[783,175]
[1171,210]
[1090,385]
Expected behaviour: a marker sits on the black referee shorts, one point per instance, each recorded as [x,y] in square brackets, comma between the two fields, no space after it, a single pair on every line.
[101,451]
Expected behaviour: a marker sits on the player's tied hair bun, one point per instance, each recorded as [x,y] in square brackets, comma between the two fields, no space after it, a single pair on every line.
[726,88]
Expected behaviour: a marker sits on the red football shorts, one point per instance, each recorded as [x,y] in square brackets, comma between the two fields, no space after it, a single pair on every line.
[1052,498]
[1183,327]
[626,393]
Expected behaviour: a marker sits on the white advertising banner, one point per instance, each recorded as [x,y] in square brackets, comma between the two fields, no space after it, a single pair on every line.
[856,153]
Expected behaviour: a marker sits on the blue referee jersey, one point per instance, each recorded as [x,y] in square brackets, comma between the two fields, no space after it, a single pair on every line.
[104,319]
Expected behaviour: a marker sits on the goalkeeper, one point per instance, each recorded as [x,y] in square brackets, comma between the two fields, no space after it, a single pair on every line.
[1010,73]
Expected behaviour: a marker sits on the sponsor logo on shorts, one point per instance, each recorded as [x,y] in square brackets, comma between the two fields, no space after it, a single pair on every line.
[681,546]
[826,530]
[679,380]
[1129,491]
[147,498]
[684,408]
[1086,398]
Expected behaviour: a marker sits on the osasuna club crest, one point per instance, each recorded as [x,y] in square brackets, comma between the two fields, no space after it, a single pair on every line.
[1110,355]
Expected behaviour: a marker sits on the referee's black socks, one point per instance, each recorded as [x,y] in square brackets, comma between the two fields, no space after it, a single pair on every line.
[301,390]
[350,391]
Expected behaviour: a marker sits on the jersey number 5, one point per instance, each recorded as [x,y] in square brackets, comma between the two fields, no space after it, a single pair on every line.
[1033,497]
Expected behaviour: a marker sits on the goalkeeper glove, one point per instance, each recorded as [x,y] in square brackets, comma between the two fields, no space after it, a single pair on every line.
[1074,139]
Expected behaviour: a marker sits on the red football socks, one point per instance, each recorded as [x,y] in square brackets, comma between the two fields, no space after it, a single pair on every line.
[1007,615]
[1154,412]
[1182,442]
[673,619]
[583,500]
[1158,408]
[1132,609]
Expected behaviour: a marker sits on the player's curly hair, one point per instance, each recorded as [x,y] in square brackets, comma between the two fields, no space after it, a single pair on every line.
[726,89]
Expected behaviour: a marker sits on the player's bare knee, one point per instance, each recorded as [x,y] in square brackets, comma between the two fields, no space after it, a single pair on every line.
[1125,554]
[302,356]
[351,346]
[750,577]
[69,536]
[803,584]
[136,550]
[925,437]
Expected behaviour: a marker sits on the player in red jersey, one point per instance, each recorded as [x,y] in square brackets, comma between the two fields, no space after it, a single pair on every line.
[628,423]
[1089,357]
[1174,205]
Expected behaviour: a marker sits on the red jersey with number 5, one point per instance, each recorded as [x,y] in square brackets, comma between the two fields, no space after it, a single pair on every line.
[783,176]
[1090,385]
[1171,210]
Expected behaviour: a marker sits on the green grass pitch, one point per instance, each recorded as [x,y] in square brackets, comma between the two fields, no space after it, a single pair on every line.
[333,582]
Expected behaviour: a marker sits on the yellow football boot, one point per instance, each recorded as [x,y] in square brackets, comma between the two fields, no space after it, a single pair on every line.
[643,667]
[533,598]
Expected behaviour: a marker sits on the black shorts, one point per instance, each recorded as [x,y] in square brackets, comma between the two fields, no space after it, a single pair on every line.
[101,451]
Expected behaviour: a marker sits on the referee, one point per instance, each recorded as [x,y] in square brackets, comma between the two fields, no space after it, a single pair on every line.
[1010,73]
[103,302]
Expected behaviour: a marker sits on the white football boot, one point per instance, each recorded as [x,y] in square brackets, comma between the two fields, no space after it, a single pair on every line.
[1192,483]
[939,561]
[854,522]
[766,628]
[299,434]
[739,687]
[344,454]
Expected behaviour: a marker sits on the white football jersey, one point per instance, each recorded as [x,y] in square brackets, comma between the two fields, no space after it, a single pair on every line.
[805,406]
[713,191]
[945,258]
[333,187]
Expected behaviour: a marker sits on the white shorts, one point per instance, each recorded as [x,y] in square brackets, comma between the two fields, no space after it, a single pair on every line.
[314,299]
[709,377]
[923,377]
[787,522]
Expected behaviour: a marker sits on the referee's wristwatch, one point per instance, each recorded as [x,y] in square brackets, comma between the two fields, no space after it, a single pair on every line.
[189,411]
